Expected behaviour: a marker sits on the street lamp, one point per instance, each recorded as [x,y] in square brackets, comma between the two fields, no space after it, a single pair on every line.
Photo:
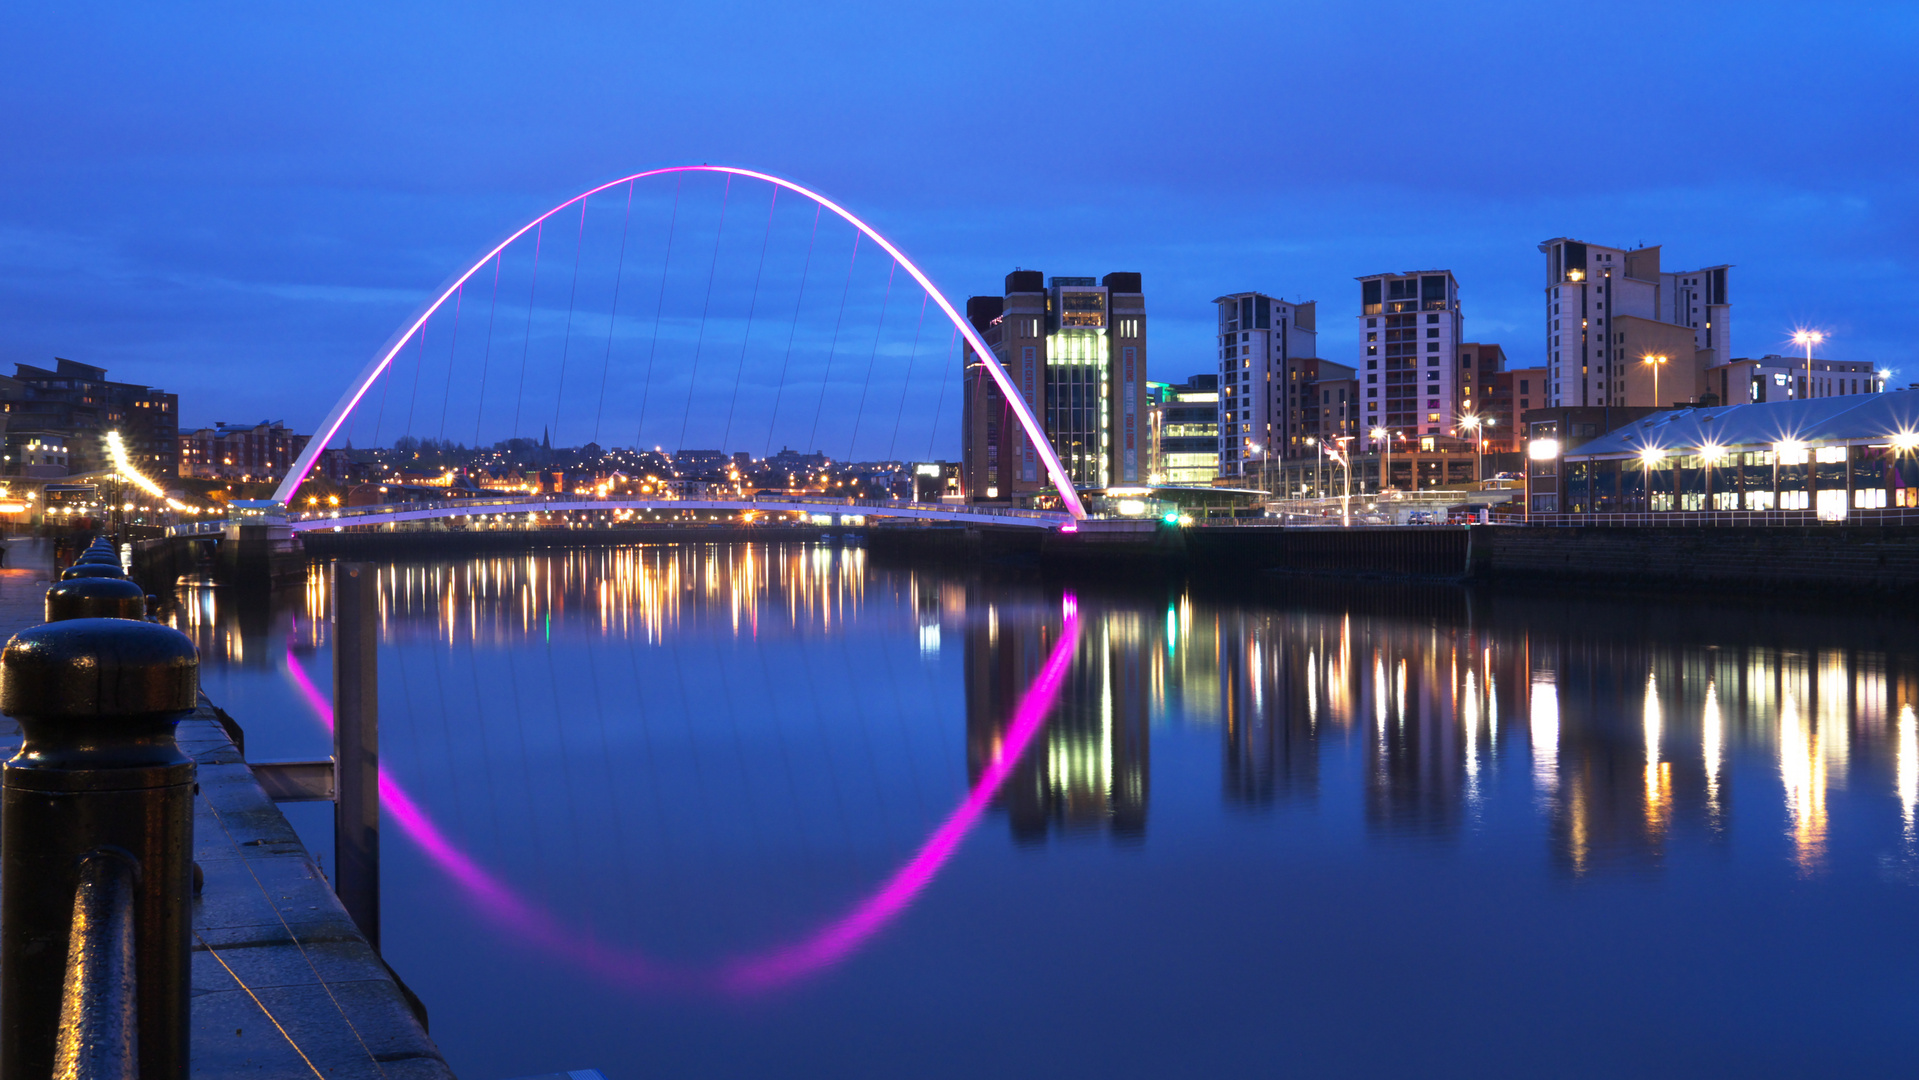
[1319,460]
[1384,439]
[1654,361]
[1808,338]
[1478,426]
[1345,460]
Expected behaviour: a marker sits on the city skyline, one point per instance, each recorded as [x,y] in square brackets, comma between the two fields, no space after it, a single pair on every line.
[341,203]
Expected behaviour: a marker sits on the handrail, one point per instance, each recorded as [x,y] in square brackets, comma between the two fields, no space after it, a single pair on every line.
[99,1022]
[822,501]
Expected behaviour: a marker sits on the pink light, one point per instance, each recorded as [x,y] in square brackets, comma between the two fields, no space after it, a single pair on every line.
[1035,434]
[781,964]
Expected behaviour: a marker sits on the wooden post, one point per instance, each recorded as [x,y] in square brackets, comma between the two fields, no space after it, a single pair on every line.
[356,745]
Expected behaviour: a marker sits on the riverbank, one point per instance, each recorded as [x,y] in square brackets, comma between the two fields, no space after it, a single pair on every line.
[284,985]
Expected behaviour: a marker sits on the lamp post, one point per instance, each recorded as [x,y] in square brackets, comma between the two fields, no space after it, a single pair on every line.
[1319,460]
[1345,459]
[1808,338]
[1384,440]
[1478,427]
[1654,361]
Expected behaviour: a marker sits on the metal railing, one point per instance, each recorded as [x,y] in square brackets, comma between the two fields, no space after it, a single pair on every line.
[99,1002]
[350,516]
[96,839]
[1697,519]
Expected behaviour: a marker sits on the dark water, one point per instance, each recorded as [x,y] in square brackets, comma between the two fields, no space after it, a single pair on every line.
[775,811]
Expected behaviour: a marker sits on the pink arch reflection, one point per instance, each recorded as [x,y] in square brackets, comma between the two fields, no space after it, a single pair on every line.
[757,971]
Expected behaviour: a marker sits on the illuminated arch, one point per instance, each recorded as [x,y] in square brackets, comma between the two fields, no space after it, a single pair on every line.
[351,399]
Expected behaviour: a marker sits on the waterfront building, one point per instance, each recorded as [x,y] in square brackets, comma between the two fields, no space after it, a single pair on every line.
[1480,363]
[1185,431]
[1783,378]
[40,454]
[1607,309]
[1514,393]
[79,402]
[1840,456]
[262,451]
[1410,336]
[1076,350]
[1268,349]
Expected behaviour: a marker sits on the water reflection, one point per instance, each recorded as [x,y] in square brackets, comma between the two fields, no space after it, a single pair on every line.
[1619,744]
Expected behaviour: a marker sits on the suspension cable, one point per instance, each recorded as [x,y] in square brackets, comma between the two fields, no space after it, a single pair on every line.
[812,438]
[526,344]
[780,391]
[613,315]
[566,342]
[752,308]
[699,340]
[872,361]
[912,360]
[479,410]
[659,305]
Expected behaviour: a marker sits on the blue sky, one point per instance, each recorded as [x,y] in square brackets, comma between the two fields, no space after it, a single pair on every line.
[242,202]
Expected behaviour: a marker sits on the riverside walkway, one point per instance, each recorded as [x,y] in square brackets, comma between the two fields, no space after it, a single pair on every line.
[284,985]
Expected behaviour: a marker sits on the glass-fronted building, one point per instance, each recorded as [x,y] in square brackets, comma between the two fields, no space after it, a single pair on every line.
[1841,457]
[1185,431]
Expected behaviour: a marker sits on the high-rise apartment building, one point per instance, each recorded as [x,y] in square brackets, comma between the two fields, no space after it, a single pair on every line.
[1609,309]
[1076,351]
[1263,344]
[1409,334]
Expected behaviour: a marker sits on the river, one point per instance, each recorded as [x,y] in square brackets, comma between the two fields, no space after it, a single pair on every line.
[776,810]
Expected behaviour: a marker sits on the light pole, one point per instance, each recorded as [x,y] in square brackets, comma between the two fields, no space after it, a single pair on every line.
[1345,459]
[1319,460]
[1655,362]
[1478,427]
[1808,338]
[1384,440]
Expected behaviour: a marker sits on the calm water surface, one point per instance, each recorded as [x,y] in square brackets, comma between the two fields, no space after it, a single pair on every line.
[749,811]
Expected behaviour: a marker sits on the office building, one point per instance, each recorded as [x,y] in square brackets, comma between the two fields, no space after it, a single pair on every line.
[1265,344]
[1185,431]
[1609,309]
[1410,333]
[1076,351]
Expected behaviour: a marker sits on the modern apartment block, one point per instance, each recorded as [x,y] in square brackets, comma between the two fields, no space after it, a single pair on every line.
[1609,309]
[1076,350]
[1185,431]
[1264,343]
[1410,333]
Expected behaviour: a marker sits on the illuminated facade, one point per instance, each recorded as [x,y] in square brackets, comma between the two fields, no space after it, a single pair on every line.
[1609,308]
[1185,431]
[1076,351]
[1267,348]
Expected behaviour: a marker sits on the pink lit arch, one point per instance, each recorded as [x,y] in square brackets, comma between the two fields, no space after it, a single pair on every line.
[330,427]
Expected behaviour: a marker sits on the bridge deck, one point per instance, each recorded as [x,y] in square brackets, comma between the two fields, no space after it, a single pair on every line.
[869,508]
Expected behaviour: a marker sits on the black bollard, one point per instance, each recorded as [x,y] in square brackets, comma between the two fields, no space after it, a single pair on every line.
[99,772]
[96,598]
[84,570]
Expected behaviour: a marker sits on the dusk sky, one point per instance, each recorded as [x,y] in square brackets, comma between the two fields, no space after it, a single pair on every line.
[241,203]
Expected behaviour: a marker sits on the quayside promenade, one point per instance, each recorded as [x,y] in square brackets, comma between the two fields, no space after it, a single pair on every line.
[283,984]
